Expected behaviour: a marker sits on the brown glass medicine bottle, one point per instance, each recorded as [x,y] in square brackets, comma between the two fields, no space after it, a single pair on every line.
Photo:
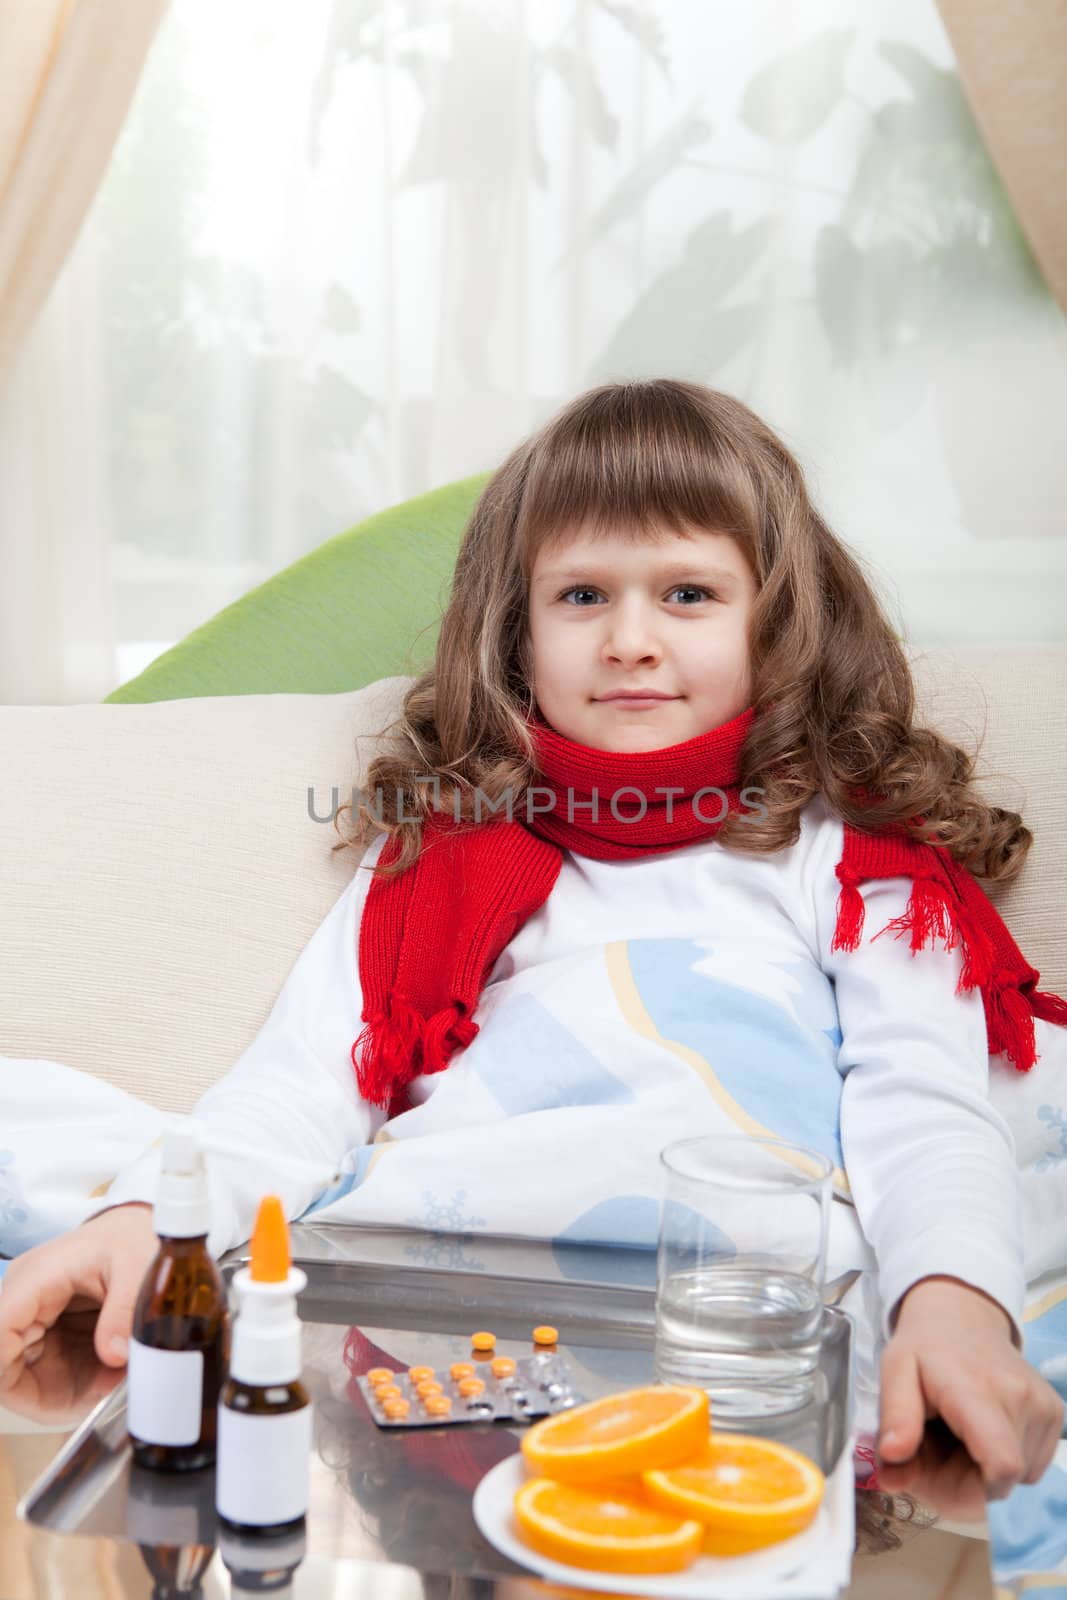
[180,1340]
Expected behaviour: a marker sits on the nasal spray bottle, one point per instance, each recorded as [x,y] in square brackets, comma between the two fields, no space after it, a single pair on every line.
[180,1337]
[265,1411]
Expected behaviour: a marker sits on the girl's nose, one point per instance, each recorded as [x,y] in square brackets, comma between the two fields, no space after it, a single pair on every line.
[630,636]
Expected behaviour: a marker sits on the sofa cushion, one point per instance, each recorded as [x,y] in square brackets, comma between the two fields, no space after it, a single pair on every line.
[366,603]
[161,873]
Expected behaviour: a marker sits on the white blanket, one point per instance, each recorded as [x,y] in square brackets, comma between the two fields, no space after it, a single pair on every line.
[65,1135]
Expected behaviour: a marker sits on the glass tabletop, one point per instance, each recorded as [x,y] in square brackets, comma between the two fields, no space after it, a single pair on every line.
[390,1511]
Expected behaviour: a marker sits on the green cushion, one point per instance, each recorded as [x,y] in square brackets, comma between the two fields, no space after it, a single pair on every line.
[364,605]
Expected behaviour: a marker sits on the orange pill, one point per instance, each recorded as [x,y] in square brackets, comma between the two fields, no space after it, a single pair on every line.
[483,1341]
[503,1367]
[387,1391]
[544,1334]
[437,1405]
[460,1369]
[394,1409]
[420,1374]
[380,1375]
[470,1386]
[428,1388]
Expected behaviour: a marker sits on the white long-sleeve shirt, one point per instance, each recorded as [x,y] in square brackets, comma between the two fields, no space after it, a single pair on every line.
[649,1000]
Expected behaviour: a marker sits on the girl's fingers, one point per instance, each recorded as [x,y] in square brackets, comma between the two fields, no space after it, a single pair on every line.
[902,1406]
[10,1373]
[34,1352]
[942,1475]
[1047,1433]
[115,1323]
[990,1436]
[22,1321]
[33,1299]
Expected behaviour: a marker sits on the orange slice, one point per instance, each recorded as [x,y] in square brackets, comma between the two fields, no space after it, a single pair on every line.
[609,1533]
[747,1492]
[659,1426]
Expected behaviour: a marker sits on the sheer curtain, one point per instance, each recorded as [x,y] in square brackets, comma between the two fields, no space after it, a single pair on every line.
[347,253]
[1012,58]
[68,69]
[58,626]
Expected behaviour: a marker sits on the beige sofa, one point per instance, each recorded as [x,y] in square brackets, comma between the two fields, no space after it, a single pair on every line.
[161,873]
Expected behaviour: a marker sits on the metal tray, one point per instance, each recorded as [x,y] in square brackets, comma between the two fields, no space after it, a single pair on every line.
[405,1499]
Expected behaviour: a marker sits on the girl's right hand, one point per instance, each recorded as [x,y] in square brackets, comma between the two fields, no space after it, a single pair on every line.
[102,1263]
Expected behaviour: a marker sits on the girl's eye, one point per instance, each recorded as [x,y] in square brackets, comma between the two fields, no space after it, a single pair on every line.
[685,588]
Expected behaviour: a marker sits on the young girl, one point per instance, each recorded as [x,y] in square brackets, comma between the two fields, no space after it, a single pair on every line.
[631,850]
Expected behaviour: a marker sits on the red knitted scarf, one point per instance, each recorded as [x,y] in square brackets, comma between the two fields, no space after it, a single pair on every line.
[429,938]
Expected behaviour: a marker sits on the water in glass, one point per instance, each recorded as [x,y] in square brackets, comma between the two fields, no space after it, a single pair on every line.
[749,1335]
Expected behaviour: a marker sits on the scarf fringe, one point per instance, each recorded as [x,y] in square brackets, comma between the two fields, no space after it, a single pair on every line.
[850,912]
[400,1044]
[1049,1007]
[1010,1024]
[446,1032]
[933,914]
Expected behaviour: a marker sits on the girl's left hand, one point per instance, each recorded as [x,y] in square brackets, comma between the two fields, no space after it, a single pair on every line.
[951,1356]
[58,1379]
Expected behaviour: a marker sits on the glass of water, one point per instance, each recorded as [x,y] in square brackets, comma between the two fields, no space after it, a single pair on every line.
[740,1268]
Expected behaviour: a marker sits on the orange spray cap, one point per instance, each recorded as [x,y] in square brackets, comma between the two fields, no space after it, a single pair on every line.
[266,1332]
[270,1242]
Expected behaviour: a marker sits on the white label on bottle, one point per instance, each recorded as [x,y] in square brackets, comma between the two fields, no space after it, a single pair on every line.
[164,1394]
[263,1466]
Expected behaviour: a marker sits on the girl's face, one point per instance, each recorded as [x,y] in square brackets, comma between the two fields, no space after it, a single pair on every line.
[666,615]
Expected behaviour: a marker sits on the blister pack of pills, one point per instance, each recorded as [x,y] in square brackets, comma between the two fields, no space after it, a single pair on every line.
[503,1389]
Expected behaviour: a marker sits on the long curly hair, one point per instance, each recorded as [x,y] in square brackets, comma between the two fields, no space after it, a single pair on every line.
[833,697]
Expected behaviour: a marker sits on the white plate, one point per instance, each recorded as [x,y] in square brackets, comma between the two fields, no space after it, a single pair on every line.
[815,1564]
